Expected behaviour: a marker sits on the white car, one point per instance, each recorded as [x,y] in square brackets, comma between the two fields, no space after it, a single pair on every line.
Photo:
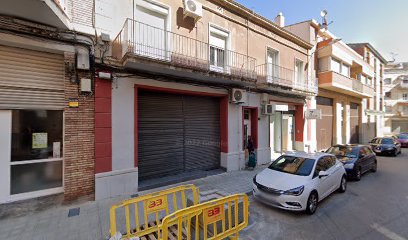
[298,181]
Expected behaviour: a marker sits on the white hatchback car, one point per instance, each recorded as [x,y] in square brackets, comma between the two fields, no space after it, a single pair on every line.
[298,181]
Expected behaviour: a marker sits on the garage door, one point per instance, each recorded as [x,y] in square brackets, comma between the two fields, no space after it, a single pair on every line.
[324,126]
[177,133]
[399,126]
[354,123]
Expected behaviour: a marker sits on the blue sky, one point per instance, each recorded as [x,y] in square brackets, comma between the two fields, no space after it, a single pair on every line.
[383,23]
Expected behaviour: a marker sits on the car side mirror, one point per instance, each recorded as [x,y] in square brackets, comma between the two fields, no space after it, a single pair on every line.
[323,174]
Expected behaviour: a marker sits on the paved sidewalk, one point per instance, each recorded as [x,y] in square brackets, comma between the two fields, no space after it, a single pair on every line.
[93,219]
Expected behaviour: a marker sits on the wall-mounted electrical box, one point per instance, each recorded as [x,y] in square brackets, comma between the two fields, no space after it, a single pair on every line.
[82,59]
[86,85]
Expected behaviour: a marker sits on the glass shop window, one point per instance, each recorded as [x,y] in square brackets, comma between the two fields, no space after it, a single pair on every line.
[36,134]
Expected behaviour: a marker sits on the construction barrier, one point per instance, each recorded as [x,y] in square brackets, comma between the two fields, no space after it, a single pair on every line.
[142,215]
[216,219]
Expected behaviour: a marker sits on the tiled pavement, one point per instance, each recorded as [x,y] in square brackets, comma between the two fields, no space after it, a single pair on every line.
[93,221]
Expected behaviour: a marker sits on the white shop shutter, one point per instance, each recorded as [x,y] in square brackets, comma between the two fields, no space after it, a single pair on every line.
[31,79]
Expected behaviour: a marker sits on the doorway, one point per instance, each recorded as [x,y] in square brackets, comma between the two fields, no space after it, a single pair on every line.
[288,132]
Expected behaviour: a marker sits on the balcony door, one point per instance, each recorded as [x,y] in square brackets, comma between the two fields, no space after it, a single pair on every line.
[218,49]
[150,36]
[299,74]
[272,65]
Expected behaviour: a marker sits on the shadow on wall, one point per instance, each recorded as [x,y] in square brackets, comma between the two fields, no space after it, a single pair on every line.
[184,22]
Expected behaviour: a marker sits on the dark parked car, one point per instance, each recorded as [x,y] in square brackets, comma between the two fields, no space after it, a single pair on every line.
[386,145]
[357,159]
[403,139]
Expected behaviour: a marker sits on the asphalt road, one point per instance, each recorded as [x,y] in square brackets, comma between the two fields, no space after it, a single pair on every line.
[374,208]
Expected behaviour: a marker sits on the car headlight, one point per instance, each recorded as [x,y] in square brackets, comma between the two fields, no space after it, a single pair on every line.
[349,165]
[295,191]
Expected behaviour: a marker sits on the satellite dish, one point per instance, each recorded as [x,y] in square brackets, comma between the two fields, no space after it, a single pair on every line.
[323,13]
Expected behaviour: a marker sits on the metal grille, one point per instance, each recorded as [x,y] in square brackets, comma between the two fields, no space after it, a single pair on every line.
[177,133]
[31,79]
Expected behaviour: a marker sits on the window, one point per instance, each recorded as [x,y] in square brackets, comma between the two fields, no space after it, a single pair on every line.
[218,48]
[345,70]
[388,109]
[323,164]
[387,141]
[387,81]
[342,151]
[388,95]
[36,150]
[293,165]
[272,65]
[299,72]
[336,65]
[150,26]
[405,96]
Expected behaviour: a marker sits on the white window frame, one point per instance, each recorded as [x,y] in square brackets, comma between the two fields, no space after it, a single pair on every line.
[157,7]
[39,193]
[299,81]
[269,78]
[215,29]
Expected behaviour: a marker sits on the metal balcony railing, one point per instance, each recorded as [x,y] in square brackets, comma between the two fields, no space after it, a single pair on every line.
[150,42]
[285,77]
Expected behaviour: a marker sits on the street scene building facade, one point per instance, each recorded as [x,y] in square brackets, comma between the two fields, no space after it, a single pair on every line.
[114,95]
[396,98]
[349,96]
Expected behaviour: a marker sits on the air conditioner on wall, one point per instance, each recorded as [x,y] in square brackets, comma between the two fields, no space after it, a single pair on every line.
[238,95]
[193,8]
[267,109]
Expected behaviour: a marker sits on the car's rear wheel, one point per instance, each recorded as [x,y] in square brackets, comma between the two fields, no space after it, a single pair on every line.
[312,202]
[357,174]
[343,184]
[374,167]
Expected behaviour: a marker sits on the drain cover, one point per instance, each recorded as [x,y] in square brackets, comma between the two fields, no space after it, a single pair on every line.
[73,212]
[134,195]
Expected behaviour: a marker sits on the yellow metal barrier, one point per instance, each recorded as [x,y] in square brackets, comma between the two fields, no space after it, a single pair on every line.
[216,219]
[143,214]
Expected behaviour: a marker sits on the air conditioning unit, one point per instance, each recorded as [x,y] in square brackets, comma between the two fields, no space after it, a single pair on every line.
[267,109]
[238,95]
[193,8]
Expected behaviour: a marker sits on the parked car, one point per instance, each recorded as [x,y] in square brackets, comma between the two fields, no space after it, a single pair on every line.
[386,145]
[403,139]
[299,181]
[357,159]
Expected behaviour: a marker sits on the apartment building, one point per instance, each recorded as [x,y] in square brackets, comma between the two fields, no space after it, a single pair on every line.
[375,106]
[46,146]
[109,95]
[193,82]
[346,85]
[396,98]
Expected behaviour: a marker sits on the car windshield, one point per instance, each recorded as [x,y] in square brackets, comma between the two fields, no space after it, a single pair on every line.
[403,136]
[346,151]
[293,165]
[387,141]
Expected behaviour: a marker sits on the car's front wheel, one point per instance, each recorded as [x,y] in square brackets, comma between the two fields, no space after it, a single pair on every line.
[395,153]
[357,174]
[312,203]
[343,184]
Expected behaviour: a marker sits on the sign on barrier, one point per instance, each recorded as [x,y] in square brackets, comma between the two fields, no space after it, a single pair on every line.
[147,207]
[213,220]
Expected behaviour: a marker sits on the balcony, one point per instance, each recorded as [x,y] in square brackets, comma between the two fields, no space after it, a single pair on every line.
[404,84]
[139,42]
[48,12]
[279,76]
[339,83]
